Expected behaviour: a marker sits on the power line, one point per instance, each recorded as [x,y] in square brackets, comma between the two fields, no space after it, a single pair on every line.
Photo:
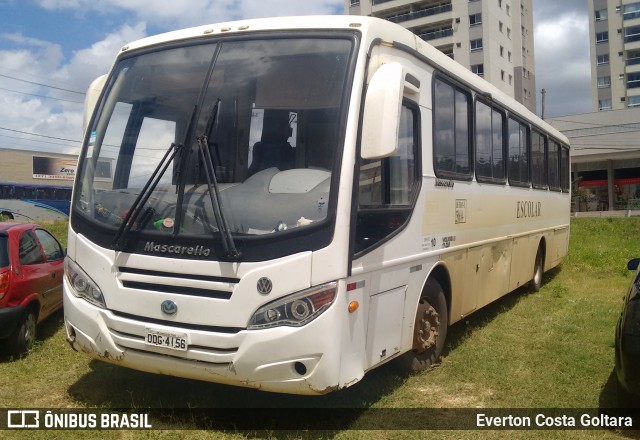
[42,85]
[41,96]
[40,135]
[33,140]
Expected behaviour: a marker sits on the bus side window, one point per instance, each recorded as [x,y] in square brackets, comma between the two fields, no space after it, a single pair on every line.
[451,131]
[539,157]
[387,187]
[519,152]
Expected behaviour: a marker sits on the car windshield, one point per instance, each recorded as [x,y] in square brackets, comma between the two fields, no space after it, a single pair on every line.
[259,118]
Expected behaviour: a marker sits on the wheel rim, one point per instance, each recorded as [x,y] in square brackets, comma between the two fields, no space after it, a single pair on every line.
[29,330]
[427,325]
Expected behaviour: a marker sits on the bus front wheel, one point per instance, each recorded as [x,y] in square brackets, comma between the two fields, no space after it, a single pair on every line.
[430,329]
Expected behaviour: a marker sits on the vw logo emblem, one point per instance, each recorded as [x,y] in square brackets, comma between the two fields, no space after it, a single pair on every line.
[168,307]
[264,285]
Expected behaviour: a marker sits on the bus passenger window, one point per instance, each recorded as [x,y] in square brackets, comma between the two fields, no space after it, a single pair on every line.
[554,166]
[451,143]
[387,187]
[518,153]
[564,169]
[489,144]
[538,160]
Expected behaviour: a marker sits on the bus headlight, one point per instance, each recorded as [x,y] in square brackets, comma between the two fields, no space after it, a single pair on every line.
[81,285]
[295,310]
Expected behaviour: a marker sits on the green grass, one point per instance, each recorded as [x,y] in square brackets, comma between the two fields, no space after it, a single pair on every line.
[551,349]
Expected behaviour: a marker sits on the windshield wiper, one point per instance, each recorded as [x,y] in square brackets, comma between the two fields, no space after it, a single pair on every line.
[134,211]
[228,244]
[119,240]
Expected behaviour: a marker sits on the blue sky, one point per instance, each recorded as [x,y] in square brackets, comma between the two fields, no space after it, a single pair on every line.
[67,43]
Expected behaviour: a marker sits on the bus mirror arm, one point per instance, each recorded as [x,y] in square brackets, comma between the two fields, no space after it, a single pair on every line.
[382,107]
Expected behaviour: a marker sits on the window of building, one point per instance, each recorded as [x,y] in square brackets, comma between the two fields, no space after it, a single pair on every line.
[518,168]
[602,59]
[524,31]
[451,130]
[601,37]
[502,51]
[475,19]
[478,69]
[500,4]
[502,75]
[508,10]
[604,104]
[631,11]
[476,44]
[510,79]
[501,27]
[631,34]
[521,9]
[508,33]
[355,2]
[509,55]
[633,101]
[538,159]
[601,15]
[604,82]
[633,80]
[490,143]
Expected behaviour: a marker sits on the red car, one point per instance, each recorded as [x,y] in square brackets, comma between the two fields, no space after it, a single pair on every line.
[31,271]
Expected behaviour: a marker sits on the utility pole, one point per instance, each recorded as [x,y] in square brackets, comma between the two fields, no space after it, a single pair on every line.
[544,96]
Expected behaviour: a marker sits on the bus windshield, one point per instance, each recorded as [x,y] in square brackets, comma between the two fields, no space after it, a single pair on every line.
[268,112]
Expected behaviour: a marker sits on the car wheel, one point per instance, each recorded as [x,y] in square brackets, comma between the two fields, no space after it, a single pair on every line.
[538,269]
[430,330]
[22,339]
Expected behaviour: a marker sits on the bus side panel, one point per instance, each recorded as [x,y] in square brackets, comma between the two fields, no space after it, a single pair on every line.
[463,299]
[523,251]
[558,251]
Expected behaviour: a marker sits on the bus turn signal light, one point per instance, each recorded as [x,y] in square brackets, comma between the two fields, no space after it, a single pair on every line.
[353,306]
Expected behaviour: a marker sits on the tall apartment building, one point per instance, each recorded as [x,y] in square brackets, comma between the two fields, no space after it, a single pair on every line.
[492,38]
[614,31]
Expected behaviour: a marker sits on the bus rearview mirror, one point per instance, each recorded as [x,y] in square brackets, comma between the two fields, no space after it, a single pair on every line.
[93,93]
[382,107]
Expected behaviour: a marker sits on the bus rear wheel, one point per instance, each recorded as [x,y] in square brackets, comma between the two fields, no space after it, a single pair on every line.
[538,268]
[430,330]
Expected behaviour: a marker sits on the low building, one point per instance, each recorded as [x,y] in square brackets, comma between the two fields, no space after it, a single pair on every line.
[605,158]
[37,167]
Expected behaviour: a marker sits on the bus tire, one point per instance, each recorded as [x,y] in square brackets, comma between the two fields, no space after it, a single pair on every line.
[430,330]
[21,340]
[538,269]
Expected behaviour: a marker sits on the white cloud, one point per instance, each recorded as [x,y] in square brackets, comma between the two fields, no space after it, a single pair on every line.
[87,64]
[53,117]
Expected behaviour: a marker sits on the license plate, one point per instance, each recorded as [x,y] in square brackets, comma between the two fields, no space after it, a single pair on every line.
[173,341]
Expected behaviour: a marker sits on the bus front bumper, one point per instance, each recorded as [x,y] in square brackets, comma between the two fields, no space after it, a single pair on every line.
[296,360]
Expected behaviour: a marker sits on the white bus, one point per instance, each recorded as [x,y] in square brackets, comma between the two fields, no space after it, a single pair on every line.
[296,201]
